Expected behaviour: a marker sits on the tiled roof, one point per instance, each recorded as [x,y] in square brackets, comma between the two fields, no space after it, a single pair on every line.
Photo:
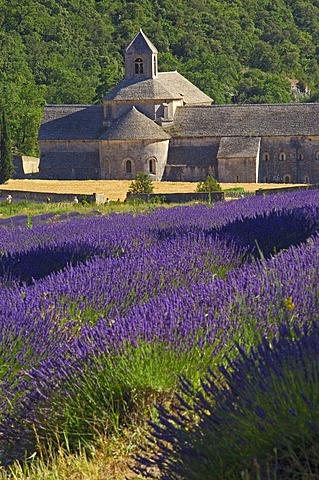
[71,122]
[238,147]
[179,86]
[248,120]
[134,126]
[166,86]
[141,44]
[135,89]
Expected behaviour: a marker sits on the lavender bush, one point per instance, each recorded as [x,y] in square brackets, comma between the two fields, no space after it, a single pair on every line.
[99,316]
[258,419]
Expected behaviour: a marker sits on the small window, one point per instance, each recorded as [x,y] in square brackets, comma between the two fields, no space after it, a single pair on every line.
[128,166]
[152,165]
[282,156]
[266,157]
[237,178]
[287,179]
[139,66]
[266,180]
[307,179]
[107,166]
[317,155]
[300,156]
[155,66]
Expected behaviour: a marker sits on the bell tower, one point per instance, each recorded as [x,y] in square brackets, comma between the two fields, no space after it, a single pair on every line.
[140,58]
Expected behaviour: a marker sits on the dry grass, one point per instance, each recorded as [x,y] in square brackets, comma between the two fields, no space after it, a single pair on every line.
[114,189]
[109,460]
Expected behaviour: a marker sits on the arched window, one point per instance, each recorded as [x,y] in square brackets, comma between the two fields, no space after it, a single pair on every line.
[107,168]
[128,166]
[266,180]
[152,165]
[317,155]
[266,156]
[300,156]
[307,179]
[287,179]
[138,66]
[282,156]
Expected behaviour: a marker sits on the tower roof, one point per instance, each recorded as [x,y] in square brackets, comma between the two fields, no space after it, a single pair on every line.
[141,44]
[133,125]
[167,86]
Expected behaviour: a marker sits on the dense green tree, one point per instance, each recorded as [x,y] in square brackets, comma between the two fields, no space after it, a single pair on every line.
[6,160]
[210,184]
[142,184]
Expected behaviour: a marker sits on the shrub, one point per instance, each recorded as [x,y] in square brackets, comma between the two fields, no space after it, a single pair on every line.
[209,185]
[262,423]
[142,184]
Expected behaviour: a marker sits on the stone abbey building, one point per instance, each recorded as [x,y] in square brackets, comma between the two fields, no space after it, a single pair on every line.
[161,124]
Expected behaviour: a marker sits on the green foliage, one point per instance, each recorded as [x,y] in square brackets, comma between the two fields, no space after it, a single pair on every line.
[6,160]
[106,399]
[72,52]
[142,184]
[209,185]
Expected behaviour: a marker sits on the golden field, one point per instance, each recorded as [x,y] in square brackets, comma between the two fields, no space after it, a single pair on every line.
[114,189]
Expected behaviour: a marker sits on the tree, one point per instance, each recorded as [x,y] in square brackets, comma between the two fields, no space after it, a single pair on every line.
[142,184]
[6,160]
[209,185]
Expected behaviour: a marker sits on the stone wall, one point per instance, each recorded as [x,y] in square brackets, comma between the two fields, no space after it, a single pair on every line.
[289,160]
[42,197]
[178,197]
[271,191]
[115,154]
[69,160]
[191,159]
[240,170]
[25,166]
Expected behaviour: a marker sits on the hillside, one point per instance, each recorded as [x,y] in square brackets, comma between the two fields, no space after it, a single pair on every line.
[70,51]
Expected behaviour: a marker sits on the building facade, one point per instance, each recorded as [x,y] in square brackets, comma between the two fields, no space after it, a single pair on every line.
[161,124]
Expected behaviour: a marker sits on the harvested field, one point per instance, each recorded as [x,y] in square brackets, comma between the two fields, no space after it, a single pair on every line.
[114,189]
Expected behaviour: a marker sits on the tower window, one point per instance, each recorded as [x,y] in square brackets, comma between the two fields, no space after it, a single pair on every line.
[128,166]
[266,156]
[317,155]
[282,156]
[300,156]
[155,66]
[138,66]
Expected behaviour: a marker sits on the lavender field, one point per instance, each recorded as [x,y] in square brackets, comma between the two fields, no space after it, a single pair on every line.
[103,316]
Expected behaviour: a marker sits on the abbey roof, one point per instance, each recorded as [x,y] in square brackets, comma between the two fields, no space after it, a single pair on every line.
[134,126]
[166,86]
[294,119]
[71,122]
[239,147]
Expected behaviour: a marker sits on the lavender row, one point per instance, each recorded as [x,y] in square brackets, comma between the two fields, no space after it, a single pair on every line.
[267,224]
